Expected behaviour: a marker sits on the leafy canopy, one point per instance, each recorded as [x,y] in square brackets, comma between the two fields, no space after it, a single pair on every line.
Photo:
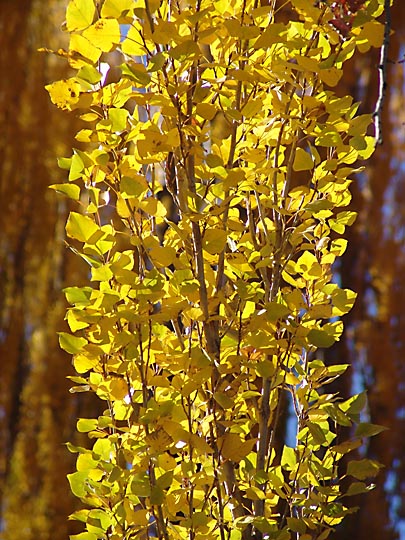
[211,203]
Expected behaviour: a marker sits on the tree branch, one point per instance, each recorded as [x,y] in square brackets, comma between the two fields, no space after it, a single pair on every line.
[382,72]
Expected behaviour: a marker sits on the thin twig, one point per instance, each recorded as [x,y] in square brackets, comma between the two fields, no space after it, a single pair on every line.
[382,73]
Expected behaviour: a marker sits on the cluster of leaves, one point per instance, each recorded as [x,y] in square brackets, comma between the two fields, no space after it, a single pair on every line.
[212,201]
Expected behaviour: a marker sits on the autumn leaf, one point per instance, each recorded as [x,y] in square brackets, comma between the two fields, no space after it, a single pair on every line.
[79,14]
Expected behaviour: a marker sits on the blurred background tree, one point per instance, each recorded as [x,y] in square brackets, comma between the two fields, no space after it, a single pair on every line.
[38,415]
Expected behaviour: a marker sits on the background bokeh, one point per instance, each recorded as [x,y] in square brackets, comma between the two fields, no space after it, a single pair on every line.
[37,413]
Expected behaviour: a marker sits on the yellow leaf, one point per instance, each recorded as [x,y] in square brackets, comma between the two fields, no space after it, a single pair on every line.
[330,76]
[83,363]
[121,410]
[85,49]
[64,93]
[290,378]
[292,281]
[308,64]
[173,138]
[254,493]
[187,49]
[319,337]
[118,118]
[116,94]
[224,401]
[359,125]
[138,517]
[369,147]
[69,190]
[115,8]
[163,256]
[238,30]
[101,273]
[74,321]
[80,227]
[89,117]
[238,262]
[254,155]
[166,462]
[270,36]
[206,110]
[232,446]
[85,135]
[308,266]
[133,44]
[214,240]
[195,313]
[122,208]
[152,145]
[275,311]
[118,388]
[71,344]
[104,34]
[200,444]
[159,440]
[371,35]
[303,161]
[133,186]
[136,73]
[252,107]
[234,178]
[164,32]
[153,207]
[79,14]
[338,246]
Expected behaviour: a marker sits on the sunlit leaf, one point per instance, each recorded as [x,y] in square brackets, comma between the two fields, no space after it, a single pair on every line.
[86,424]
[214,240]
[64,93]
[133,186]
[330,76]
[79,296]
[371,35]
[71,344]
[133,44]
[80,14]
[91,75]
[115,8]
[77,483]
[234,448]
[104,34]
[289,458]
[159,440]
[80,227]
[118,118]
[303,160]
[206,110]
[87,51]
[70,190]
[84,363]
[75,321]
[308,265]
[163,256]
